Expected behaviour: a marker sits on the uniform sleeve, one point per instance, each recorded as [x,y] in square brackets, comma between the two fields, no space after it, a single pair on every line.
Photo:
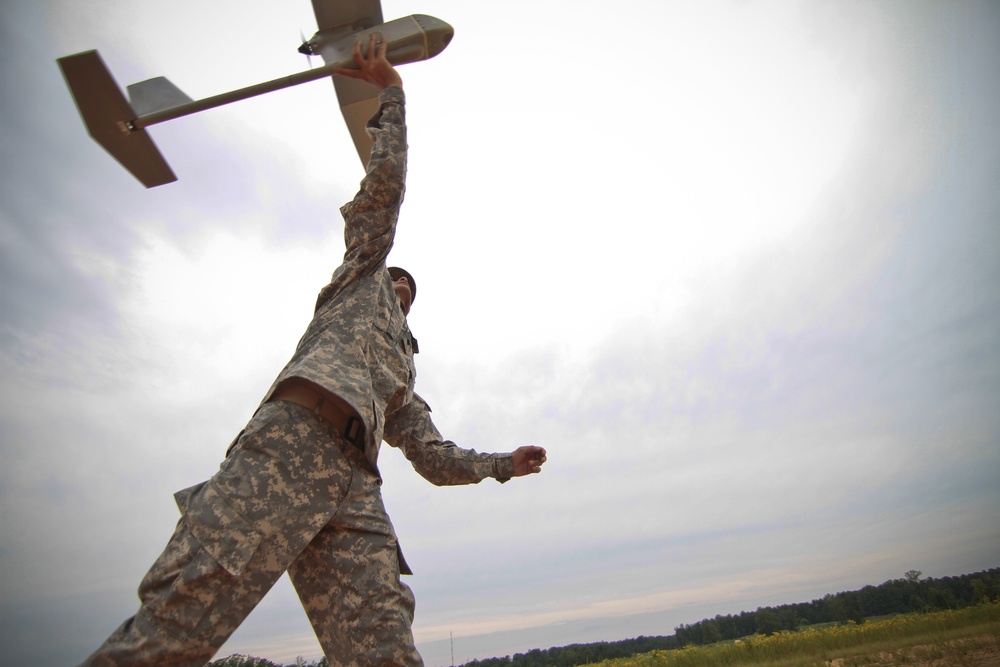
[370,218]
[440,461]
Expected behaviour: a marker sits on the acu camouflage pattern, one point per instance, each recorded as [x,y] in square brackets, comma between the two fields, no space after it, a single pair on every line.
[358,347]
[437,460]
[294,496]
[351,347]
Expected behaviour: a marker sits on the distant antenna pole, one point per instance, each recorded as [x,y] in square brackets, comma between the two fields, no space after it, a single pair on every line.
[452,648]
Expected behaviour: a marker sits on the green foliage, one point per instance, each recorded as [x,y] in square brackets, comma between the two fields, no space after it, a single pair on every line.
[238,660]
[958,637]
[910,594]
[767,622]
[898,596]
[579,654]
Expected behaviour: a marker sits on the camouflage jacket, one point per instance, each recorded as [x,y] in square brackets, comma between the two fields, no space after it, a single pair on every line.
[358,346]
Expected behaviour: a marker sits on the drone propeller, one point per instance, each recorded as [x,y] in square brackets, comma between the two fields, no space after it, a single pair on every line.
[306,49]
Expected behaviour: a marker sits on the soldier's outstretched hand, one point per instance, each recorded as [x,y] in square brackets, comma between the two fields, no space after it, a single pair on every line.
[373,66]
[528,460]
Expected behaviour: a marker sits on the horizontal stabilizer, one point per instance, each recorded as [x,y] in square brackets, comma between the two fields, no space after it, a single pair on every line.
[108,117]
[155,95]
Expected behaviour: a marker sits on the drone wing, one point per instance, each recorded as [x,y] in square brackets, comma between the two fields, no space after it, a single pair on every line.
[347,15]
[358,100]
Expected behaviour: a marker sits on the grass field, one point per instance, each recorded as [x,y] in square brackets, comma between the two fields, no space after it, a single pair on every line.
[964,638]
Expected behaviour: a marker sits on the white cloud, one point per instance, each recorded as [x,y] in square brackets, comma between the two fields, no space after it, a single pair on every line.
[733,273]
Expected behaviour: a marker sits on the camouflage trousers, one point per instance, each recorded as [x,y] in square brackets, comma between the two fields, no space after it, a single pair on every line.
[292,496]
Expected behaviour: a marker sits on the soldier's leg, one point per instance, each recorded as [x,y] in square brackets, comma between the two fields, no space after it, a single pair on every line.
[190,606]
[238,533]
[349,584]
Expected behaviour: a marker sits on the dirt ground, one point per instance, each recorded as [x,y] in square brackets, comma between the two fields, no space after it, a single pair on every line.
[983,651]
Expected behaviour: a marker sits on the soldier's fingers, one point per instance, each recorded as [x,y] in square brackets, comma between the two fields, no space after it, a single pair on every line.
[356,56]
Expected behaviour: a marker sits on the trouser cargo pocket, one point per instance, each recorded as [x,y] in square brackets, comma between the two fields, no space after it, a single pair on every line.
[223,533]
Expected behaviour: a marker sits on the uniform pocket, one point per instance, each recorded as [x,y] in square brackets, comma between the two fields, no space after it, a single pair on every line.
[389,315]
[224,535]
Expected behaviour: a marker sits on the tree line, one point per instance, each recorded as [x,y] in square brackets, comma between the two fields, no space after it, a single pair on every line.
[240,660]
[912,593]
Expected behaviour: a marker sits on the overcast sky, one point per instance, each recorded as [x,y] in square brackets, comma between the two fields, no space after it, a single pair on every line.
[735,264]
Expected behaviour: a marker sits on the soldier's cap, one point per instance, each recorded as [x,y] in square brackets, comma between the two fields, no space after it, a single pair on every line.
[398,273]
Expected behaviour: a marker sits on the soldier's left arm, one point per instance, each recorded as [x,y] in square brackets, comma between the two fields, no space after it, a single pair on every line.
[442,462]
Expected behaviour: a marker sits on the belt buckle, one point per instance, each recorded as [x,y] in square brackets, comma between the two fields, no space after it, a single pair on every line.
[354,430]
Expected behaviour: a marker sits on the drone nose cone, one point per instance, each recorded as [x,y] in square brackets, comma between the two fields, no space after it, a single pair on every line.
[437,32]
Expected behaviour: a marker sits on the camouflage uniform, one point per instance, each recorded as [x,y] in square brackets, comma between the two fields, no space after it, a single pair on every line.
[293,494]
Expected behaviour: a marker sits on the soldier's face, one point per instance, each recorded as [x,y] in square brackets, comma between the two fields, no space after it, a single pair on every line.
[402,289]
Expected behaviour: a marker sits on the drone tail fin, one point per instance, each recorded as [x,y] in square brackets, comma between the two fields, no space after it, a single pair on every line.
[108,117]
[155,95]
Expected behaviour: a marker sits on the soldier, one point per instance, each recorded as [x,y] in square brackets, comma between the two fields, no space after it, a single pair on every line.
[299,490]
